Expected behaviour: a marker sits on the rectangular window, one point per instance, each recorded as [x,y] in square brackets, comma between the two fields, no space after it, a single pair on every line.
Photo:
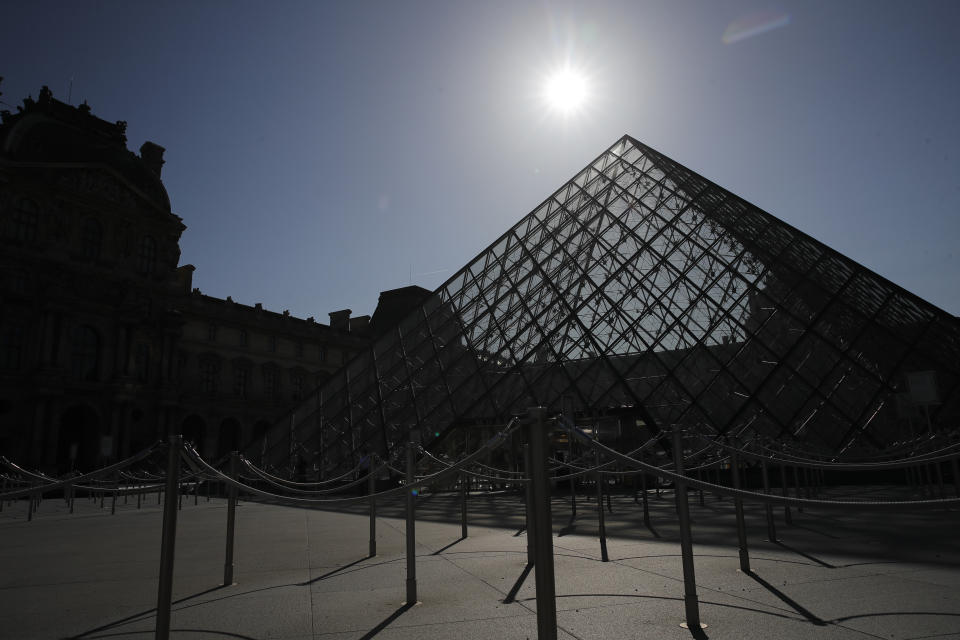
[241,379]
[208,377]
[272,344]
[212,332]
[271,386]
[297,380]
[243,337]
[25,221]
[299,349]
[321,353]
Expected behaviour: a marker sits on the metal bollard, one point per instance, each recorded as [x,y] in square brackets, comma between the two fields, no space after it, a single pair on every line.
[796,487]
[528,493]
[372,490]
[139,494]
[956,476]
[609,503]
[787,517]
[231,521]
[601,524]
[116,488]
[700,477]
[573,496]
[168,540]
[691,604]
[768,508]
[70,489]
[543,527]
[463,505]
[30,500]
[646,501]
[411,525]
[738,506]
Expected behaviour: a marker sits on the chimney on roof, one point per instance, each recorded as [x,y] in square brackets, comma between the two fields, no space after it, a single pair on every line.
[152,156]
[340,319]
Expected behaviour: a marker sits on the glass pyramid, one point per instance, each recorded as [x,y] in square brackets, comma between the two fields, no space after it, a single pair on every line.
[641,290]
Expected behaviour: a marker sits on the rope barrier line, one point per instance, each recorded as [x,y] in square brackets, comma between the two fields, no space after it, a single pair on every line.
[267,478]
[517,478]
[283,481]
[54,483]
[495,442]
[767,498]
[844,466]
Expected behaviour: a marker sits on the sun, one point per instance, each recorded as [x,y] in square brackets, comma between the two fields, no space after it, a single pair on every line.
[566,90]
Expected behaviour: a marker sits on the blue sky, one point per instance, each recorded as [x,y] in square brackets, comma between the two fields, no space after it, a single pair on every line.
[320,152]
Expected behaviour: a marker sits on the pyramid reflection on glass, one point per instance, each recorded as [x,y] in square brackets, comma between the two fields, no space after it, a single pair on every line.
[643,293]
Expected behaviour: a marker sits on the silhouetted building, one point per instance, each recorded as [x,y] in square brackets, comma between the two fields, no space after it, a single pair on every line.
[105,346]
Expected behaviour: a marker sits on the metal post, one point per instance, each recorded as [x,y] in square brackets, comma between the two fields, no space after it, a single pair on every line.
[30,500]
[139,495]
[796,487]
[168,540]
[956,476]
[70,490]
[116,488]
[787,517]
[771,524]
[692,605]
[700,477]
[646,501]
[609,499]
[531,523]
[936,465]
[601,524]
[463,505]
[411,525]
[371,491]
[738,506]
[543,547]
[573,481]
[231,520]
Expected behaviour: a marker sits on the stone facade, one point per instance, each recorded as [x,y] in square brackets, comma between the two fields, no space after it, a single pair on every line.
[105,346]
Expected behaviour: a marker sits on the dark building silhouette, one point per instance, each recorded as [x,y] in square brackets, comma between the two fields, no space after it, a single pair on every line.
[105,345]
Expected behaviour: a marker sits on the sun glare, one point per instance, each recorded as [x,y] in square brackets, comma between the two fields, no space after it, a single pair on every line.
[565,91]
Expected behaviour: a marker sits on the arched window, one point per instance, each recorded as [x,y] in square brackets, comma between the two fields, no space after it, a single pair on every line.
[26,219]
[148,255]
[85,353]
[90,239]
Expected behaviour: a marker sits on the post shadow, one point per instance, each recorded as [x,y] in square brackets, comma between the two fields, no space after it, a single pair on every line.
[793,604]
[442,549]
[512,594]
[387,621]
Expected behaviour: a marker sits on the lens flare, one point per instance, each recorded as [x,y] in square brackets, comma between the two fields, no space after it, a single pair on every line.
[565,90]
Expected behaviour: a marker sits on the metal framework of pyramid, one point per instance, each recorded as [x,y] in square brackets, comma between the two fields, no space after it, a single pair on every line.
[642,290]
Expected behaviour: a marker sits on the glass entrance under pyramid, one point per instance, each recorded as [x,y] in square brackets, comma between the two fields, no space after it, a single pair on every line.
[640,295]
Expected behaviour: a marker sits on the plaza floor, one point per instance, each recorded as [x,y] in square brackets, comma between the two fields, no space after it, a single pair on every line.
[305,574]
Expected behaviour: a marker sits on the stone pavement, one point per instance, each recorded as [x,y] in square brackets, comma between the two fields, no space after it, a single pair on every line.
[304,574]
